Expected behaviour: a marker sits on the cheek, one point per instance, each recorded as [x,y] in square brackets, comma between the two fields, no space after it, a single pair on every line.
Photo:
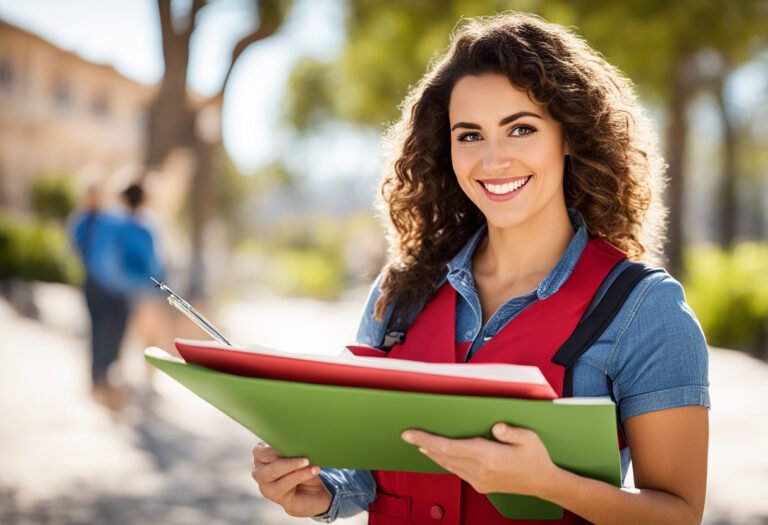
[461,161]
[547,162]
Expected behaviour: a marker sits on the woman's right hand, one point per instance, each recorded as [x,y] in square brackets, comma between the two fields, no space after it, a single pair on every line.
[292,483]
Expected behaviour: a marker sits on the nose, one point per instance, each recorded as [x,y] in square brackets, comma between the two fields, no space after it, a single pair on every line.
[496,160]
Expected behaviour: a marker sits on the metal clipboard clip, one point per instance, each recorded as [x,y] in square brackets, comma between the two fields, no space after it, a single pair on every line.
[184,307]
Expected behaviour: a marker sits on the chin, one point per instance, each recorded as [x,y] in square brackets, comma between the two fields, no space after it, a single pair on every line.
[505,221]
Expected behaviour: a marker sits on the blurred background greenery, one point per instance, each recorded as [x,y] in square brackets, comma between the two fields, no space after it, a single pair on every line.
[701,67]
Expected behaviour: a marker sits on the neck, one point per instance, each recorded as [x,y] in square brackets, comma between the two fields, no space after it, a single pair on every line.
[528,251]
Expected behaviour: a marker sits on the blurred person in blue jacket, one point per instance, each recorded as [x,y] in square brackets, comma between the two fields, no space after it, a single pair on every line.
[137,247]
[95,232]
[119,254]
[140,259]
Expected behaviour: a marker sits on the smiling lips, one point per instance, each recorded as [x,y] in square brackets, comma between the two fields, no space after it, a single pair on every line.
[504,189]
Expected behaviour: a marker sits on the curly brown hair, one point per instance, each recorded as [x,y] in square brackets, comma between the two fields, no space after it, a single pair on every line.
[615,175]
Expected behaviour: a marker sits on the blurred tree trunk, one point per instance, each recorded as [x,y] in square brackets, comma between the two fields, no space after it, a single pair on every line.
[174,119]
[677,132]
[729,179]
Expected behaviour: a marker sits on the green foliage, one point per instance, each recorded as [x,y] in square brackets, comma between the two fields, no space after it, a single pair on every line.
[672,32]
[36,251]
[308,255]
[304,256]
[729,293]
[229,187]
[53,196]
[390,43]
[388,48]
[271,176]
[310,272]
[314,80]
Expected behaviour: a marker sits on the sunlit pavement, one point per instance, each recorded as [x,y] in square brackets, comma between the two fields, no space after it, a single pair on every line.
[169,458]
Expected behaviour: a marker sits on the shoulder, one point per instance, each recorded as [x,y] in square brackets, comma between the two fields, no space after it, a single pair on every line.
[110,219]
[135,227]
[371,331]
[657,304]
[659,355]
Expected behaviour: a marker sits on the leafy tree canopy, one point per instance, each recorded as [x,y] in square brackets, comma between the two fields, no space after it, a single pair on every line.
[390,44]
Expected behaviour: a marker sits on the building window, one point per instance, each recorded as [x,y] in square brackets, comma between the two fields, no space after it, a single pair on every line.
[6,74]
[100,105]
[62,96]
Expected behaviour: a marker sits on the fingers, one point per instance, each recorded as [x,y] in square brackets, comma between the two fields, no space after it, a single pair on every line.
[512,435]
[432,444]
[278,481]
[271,472]
[288,483]
[263,454]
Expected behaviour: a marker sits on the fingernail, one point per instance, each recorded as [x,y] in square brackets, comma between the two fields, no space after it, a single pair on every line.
[315,471]
[423,451]
[407,437]
[304,462]
[499,428]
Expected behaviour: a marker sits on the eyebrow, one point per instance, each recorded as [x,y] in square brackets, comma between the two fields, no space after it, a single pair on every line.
[502,122]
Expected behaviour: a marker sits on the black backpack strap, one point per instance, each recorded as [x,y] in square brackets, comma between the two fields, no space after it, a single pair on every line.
[397,326]
[394,332]
[392,338]
[587,332]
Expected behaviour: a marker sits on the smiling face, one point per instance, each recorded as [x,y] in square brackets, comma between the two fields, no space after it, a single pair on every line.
[507,152]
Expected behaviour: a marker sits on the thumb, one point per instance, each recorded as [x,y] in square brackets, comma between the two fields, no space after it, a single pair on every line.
[511,435]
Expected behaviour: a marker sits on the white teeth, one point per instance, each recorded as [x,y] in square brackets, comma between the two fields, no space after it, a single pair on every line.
[501,189]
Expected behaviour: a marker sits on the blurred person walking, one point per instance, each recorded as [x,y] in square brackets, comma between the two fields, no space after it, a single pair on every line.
[139,260]
[119,253]
[95,232]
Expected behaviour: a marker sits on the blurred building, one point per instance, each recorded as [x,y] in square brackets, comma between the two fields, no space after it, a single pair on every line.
[59,112]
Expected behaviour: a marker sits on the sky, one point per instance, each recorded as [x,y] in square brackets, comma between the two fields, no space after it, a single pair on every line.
[126,34]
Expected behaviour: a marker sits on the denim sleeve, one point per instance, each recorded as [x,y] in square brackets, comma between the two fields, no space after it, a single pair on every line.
[371,331]
[352,491]
[659,359]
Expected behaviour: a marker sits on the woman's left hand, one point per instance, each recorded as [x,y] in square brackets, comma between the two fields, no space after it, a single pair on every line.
[517,464]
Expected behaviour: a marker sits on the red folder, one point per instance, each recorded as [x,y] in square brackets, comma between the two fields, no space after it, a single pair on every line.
[366,373]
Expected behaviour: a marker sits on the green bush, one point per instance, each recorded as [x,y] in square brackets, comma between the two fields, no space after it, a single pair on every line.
[36,251]
[310,254]
[53,196]
[302,256]
[312,273]
[728,291]
[10,248]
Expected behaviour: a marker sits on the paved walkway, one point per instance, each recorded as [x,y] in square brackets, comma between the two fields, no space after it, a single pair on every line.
[169,458]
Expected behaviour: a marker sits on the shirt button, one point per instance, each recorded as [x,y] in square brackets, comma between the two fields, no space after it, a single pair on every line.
[436,512]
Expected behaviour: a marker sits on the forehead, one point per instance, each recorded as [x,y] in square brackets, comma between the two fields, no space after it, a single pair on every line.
[492,96]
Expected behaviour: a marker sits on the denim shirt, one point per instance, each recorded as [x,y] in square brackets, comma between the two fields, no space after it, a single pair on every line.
[653,352]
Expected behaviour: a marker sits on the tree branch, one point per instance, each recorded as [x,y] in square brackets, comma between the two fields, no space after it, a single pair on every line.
[197,5]
[166,27]
[271,15]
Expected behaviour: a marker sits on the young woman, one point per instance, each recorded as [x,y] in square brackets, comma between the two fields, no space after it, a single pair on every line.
[525,179]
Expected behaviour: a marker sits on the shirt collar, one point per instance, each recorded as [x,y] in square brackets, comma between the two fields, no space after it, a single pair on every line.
[461,264]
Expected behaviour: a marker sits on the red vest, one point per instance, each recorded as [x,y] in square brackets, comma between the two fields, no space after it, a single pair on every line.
[531,338]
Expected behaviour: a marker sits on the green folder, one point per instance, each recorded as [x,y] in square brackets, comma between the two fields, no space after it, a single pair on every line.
[359,428]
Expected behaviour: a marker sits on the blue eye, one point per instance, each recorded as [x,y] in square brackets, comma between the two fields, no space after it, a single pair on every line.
[470,136]
[522,130]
